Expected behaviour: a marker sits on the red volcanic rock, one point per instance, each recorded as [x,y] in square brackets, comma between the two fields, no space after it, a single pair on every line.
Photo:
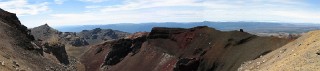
[58,50]
[112,52]
[178,49]
[94,58]
[182,36]
[186,64]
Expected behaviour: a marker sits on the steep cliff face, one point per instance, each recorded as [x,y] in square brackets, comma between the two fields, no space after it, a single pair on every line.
[58,51]
[177,49]
[18,51]
[299,55]
[12,26]
[12,21]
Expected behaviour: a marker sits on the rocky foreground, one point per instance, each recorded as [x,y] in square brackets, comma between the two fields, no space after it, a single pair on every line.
[302,54]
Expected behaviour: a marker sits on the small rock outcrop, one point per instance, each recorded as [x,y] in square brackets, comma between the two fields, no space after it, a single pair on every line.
[58,50]
[186,64]
[119,50]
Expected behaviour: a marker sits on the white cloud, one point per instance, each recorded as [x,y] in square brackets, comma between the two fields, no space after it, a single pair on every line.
[22,7]
[124,17]
[299,16]
[59,1]
[134,11]
[93,6]
[295,11]
[138,11]
[93,1]
[143,4]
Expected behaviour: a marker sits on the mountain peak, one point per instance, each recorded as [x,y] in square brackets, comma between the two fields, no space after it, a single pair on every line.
[43,30]
[44,26]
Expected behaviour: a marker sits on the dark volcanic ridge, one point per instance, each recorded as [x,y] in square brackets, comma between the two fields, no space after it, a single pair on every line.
[178,49]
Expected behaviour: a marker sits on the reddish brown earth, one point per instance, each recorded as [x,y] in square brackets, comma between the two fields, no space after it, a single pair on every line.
[177,49]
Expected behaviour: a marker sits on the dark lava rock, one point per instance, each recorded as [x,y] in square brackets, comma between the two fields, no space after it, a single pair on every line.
[58,50]
[137,44]
[119,50]
[186,64]
[13,21]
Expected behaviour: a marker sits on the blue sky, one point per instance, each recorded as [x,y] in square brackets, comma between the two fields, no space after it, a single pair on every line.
[33,13]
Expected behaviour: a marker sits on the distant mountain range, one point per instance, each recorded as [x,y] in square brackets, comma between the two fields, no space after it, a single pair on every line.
[252,27]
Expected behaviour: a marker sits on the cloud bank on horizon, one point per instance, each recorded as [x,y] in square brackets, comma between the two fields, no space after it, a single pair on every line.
[89,12]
